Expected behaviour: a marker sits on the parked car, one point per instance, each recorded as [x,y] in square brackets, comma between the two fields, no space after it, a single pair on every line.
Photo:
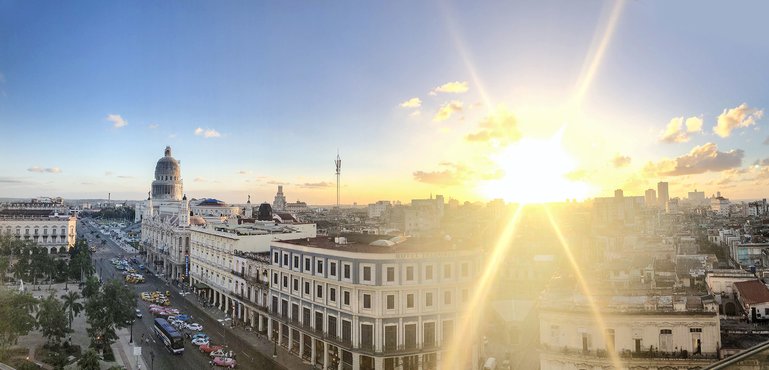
[225,362]
[200,341]
[194,326]
[207,348]
[138,313]
[200,335]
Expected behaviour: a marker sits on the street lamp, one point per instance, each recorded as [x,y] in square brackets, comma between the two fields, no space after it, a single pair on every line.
[275,349]
[132,332]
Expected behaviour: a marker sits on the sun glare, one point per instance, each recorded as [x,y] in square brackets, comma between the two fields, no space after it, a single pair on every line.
[535,171]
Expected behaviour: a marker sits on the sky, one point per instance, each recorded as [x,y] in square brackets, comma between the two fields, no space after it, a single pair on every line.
[525,101]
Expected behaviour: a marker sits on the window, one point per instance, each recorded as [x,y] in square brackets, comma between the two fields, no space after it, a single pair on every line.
[307,264]
[319,289]
[319,270]
[306,287]
[275,258]
[296,284]
[367,301]
[285,281]
[275,279]
[347,273]
[346,298]
[428,272]
[285,260]
[332,294]
[429,299]
[409,301]
[366,273]
[296,262]
[465,270]
[391,274]
[332,268]
[447,271]
[464,295]
[390,301]
[695,330]
[447,298]
[409,273]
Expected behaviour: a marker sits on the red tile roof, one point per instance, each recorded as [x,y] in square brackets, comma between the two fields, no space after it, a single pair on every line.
[752,292]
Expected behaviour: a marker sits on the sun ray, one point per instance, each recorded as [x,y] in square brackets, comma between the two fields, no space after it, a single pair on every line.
[595,57]
[468,327]
[584,287]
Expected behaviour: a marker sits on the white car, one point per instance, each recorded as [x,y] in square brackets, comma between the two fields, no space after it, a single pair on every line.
[200,341]
[194,326]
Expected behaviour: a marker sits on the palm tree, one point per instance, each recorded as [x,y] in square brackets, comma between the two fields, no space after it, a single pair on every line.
[72,306]
[89,360]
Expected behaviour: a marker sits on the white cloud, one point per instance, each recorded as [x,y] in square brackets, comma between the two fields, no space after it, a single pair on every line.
[455,87]
[117,120]
[153,125]
[693,124]
[701,159]
[42,170]
[412,103]
[200,179]
[740,116]
[447,110]
[172,136]
[679,130]
[207,133]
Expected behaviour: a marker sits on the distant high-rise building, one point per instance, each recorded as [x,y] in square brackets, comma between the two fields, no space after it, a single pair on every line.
[696,198]
[650,198]
[618,193]
[662,193]
[279,204]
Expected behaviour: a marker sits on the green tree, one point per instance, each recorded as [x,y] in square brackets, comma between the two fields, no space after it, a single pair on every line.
[111,308]
[52,320]
[4,263]
[72,306]
[89,360]
[15,317]
[91,286]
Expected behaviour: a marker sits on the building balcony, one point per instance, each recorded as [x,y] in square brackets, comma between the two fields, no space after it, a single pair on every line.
[628,355]
[238,274]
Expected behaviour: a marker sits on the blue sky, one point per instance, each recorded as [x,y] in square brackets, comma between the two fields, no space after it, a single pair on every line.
[281,86]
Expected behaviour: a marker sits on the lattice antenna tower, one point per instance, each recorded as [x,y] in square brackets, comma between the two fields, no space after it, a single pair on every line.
[338,164]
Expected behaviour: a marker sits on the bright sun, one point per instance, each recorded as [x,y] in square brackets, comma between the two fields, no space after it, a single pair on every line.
[534,171]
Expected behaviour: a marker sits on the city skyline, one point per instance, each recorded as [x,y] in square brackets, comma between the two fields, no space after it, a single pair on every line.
[541,102]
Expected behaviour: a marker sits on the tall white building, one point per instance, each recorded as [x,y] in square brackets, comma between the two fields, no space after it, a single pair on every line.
[662,194]
[165,221]
[383,305]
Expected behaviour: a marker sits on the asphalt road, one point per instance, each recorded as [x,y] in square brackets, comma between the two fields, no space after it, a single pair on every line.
[192,358]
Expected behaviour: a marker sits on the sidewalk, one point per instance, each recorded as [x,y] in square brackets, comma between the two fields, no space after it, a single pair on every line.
[124,352]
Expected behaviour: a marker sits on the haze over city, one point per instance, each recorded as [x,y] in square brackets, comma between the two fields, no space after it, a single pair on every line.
[537,102]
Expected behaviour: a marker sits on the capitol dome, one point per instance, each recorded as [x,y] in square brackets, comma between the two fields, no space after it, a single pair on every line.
[168,179]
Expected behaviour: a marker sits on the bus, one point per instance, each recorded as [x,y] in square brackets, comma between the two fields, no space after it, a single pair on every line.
[169,336]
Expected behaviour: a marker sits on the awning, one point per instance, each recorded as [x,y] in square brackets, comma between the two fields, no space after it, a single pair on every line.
[200,286]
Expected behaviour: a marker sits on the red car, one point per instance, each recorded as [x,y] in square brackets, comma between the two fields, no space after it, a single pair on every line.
[208,348]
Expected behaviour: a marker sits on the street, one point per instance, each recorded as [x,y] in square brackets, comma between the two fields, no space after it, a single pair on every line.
[192,358]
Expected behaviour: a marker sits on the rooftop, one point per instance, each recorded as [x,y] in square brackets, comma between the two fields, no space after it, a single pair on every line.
[752,291]
[362,243]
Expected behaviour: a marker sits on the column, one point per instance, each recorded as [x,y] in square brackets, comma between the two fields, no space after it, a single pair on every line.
[325,355]
[379,363]
[301,344]
[355,361]
[280,333]
[290,339]
[312,351]
[420,359]
[269,328]
[260,323]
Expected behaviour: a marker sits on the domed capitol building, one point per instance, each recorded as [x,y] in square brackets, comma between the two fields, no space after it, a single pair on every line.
[165,219]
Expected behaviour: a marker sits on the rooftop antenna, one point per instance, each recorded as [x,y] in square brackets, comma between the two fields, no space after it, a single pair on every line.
[338,164]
